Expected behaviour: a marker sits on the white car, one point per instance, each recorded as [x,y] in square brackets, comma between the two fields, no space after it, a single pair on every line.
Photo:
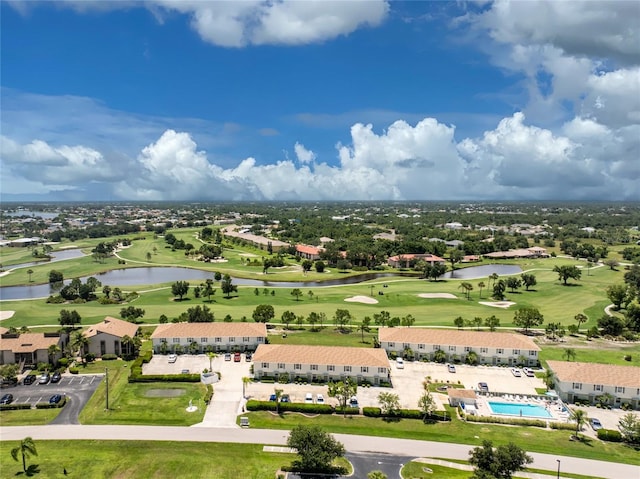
[308,398]
[400,363]
[528,372]
[172,358]
[320,399]
[516,372]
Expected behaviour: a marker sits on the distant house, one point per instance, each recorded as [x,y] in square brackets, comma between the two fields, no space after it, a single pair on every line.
[106,337]
[388,236]
[590,381]
[261,242]
[461,396]
[410,260]
[204,337]
[29,349]
[491,348]
[308,252]
[533,252]
[325,239]
[321,363]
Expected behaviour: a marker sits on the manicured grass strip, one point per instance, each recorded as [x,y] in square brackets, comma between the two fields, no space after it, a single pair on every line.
[529,438]
[154,459]
[28,417]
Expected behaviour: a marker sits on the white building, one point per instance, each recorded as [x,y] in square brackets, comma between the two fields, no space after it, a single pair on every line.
[589,381]
[490,347]
[321,363]
[106,337]
[203,337]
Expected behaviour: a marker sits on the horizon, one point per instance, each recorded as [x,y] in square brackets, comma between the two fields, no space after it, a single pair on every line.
[368,101]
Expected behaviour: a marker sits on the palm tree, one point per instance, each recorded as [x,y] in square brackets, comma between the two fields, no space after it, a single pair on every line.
[26,448]
[364,327]
[278,394]
[472,358]
[493,277]
[569,354]
[580,318]
[80,343]
[481,286]
[52,351]
[580,417]
[245,380]
[439,356]
[549,379]
[29,272]
[211,355]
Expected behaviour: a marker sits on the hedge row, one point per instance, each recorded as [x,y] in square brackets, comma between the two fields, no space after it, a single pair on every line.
[12,407]
[253,405]
[407,414]
[609,435]
[505,420]
[46,405]
[209,394]
[563,426]
[109,357]
[168,378]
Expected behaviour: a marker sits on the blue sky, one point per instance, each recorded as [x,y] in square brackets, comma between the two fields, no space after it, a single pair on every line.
[251,100]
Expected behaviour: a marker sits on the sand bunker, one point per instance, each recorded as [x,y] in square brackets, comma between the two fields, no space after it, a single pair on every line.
[248,255]
[6,314]
[499,304]
[361,299]
[438,295]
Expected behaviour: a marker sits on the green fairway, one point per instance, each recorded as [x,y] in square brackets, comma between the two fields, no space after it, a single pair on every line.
[140,460]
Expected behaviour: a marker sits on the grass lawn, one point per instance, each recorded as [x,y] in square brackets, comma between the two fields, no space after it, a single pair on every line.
[28,417]
[529,438]
[594,351]
[154,459]
[422,470]
[131,404]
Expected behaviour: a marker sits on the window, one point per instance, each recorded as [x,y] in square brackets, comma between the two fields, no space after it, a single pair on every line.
[280,365]
[261,340]
[420,346]
[467,349]
[597,387]
[245,339]
[484,350]
[619,389]
[516,352]
[204,340]
[364,369]
[218,340]
[577,385]
[175,340]
[265,365]
[331,368]
[314,367]
[533,353]
[382,370]
[436,347]
[452,348]
[392,345]
[347,369]
[406,345]
[189,340]
[232,340]
[297,366]
[500,351]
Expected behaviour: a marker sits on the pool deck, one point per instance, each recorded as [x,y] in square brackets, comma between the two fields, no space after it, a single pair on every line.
[558,411]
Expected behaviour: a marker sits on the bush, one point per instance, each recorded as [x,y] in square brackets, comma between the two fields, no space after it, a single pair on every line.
[253,405]
[46,405]
[352,411]
[209,394]
[609,435]
[627,357]
[372,411]
[512,421]
[109,357]
[169,378]
[562,426]
[63,362]
[13,407]
[74,370]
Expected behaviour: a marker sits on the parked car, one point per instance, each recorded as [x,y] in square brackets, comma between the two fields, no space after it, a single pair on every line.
[55,399]
[237,357]
[56,377]
[29,379]
[172,358]
[6,399]
[528,372]
[595,423]
[44,378]
[227,357]
[353,402]
[285,398]
[248,357]
[9,382]
[400,363]
[308,398]
[451,368]
[272,398]
[320,399]
[184,371]
[484,387]
[516,372]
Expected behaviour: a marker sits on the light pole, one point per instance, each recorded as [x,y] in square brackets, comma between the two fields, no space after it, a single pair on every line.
[558,461]
[371,290]
[106,379]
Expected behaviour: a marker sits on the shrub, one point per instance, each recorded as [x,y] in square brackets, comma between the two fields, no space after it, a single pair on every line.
[13,407]
[372,411]
[169,378]
[512,421]
[63,362]
[563,426]
[609,435]
[209,394]
[627,357]
[74,370]
[109,357]
[46,405]
[348,410]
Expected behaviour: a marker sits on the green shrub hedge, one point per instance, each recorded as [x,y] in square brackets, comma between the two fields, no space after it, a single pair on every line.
[609,435]
[372,411]
[109,357]
[562,426]
[169,378]
[209,394]
[46,405]
[13,407]
[74,370]
[504,420]
[253,405]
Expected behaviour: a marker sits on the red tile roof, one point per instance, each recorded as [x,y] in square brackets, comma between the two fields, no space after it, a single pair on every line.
[335,355]
[210,330]
[113,326]
[478,339]
[306,249]
[596,373]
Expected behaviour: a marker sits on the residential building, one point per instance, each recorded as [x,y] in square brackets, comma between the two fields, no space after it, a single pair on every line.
[461,396]
[106,337]
[261,242]
[590,381]
[410,260]
[308,252]
[29,349]
[532,252]
[203,337]
[490,348]
[321,363]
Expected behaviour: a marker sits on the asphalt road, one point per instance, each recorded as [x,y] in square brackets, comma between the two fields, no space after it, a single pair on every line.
[78,390]
[352,443]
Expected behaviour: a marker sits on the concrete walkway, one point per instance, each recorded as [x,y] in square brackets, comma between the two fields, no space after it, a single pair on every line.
[352,443]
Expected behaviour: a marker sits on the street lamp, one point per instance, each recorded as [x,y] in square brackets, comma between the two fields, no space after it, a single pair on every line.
[558,461]
[106,379]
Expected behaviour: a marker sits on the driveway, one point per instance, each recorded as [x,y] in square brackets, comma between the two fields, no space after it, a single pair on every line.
[77,388]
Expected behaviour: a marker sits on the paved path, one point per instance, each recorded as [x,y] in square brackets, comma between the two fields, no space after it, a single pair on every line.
[352,443]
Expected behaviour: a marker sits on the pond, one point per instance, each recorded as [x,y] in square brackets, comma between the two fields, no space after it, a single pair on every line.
[55,256]
[484,271]
[157,275]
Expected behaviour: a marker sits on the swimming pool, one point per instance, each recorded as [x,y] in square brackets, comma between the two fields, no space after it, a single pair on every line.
[518,409]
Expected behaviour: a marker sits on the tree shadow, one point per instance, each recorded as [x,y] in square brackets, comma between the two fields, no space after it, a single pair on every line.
[32,469]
